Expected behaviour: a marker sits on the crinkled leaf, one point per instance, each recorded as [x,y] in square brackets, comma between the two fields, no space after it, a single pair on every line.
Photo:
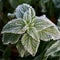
[44,36]
[21,49]
[21,9]
[15,26]
[42,22]
[10,38]
[49,33]
[46,29]
[53,49]
[30,44]
[33,33]
[27,17]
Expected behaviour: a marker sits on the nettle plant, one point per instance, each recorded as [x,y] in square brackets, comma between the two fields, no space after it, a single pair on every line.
[26,31]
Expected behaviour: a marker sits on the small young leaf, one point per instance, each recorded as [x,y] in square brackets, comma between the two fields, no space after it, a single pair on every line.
[53,49]
[21,9]
[15,26]
[11,15]
[10,38]
[30,44]
[33,33]
[28,15]
[21,50]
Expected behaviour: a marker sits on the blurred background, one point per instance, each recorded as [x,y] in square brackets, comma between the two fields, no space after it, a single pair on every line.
[51,8]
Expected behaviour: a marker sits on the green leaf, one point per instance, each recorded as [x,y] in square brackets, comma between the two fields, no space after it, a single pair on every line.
[53,49]
[44,36]
[30,13]
[46,29]
[30,44]
[21,49]
[21,9]
[42,22]
[28,16]
[15,26]
[10,38]
[33,33]
[49,33]
[11,15]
